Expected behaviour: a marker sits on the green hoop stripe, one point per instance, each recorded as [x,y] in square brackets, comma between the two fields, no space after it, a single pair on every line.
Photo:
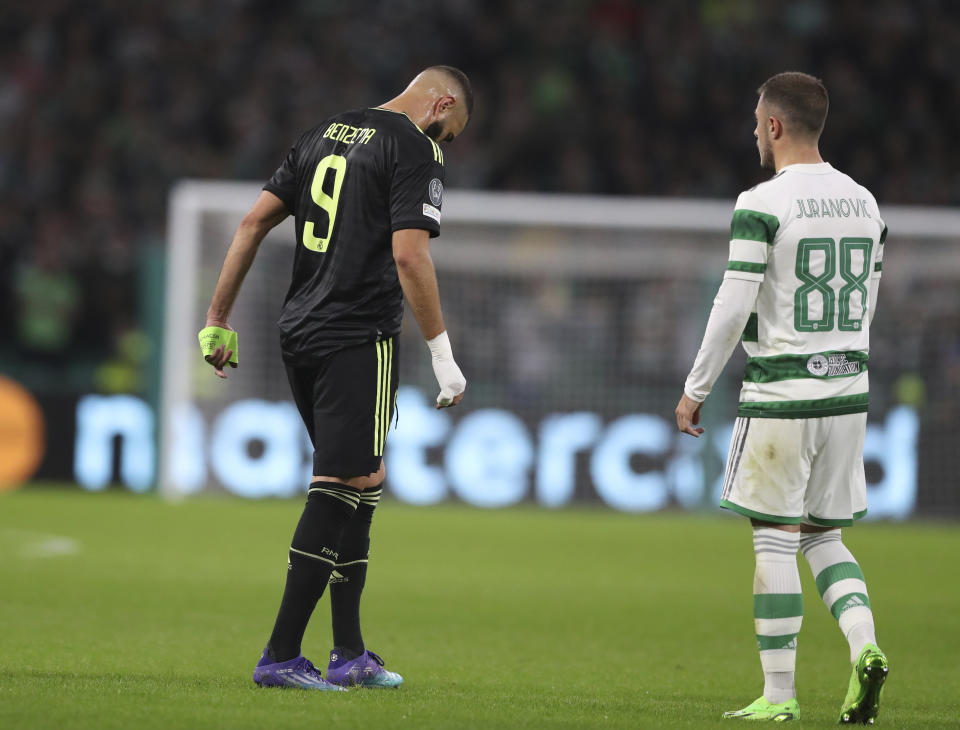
[727,504]
[792,367]
[751,333]
[777,605]
[883,236]
[819,408]
[838,571]
[748,266]
[785,641]
[752,225]
[878,266]
[841,604]
[823,522]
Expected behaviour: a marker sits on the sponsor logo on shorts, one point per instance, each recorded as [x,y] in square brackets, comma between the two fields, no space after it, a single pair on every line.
[431,212]
[337,577]
[824,365]
[436,191]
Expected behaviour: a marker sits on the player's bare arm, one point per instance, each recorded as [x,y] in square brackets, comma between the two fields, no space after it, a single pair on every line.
[418,278]
[266,213]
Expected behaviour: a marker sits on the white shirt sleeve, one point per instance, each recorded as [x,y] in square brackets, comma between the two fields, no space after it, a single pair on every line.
[732,306]
[875,278]
[752,232]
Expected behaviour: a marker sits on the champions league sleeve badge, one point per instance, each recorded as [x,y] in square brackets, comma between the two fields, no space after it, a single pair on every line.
[435,190]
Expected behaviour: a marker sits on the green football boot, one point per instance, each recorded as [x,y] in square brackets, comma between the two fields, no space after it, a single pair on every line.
[866,684]
[761,709]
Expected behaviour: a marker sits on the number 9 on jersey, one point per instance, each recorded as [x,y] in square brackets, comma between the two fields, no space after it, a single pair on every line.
[328,203]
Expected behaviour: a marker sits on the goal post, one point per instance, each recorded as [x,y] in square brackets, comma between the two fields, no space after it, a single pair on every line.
[574,318]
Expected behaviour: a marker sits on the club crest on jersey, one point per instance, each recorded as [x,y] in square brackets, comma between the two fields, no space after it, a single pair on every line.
[817,365]
[835,364]
[435,189]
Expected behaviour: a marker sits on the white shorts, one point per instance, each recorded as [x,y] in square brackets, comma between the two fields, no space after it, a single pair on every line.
[794,470]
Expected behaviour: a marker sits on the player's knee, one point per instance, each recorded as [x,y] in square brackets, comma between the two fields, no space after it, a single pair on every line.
[813,540]
[374,480]
[817,529]
[775,525]
[354,546]
[369,499]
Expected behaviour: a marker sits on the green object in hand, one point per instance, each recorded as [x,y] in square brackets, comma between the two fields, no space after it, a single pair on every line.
[213,337]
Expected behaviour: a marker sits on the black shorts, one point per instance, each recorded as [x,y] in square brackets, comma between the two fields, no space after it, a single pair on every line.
[347,401]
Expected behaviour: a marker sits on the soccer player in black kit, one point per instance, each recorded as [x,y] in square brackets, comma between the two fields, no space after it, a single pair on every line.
[366,188]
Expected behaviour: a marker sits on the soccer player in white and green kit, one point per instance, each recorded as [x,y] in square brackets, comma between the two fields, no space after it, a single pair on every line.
[800,290]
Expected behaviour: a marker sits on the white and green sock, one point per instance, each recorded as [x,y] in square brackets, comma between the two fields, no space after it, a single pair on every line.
[842,587]
[777,609]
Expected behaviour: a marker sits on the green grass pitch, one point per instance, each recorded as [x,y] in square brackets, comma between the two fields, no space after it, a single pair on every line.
[152,615]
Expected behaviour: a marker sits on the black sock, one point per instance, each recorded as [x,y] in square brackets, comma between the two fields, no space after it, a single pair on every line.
[313,553]
[350,575]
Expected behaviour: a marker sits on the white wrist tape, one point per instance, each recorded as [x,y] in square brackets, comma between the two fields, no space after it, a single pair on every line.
[449,378]
[440,347]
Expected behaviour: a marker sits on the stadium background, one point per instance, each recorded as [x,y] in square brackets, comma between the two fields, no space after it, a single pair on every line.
[105,106]
[122,609]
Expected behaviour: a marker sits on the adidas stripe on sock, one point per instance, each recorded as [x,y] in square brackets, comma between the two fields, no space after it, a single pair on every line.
[777,609]
[842,587]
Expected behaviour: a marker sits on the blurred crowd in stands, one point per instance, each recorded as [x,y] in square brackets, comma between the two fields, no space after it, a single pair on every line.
[104,104]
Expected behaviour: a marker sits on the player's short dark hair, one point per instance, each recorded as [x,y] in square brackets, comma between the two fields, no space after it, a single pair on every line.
[801,98]
[462,81]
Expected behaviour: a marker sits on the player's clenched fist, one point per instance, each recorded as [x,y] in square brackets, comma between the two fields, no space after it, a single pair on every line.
[451,380]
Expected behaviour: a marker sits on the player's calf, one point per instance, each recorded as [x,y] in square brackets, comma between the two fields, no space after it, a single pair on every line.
[311,558]
[842,587]
[349,577]
[777,609]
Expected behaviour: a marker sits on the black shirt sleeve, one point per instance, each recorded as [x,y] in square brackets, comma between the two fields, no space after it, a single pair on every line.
[416,190]
[283,184]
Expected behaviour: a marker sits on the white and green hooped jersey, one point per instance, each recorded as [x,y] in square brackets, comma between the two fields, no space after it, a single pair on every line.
[814,240]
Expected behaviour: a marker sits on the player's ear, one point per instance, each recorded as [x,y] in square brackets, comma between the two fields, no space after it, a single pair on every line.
[774,127]
[446,103]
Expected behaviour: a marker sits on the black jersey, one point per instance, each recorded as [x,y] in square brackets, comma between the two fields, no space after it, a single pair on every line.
[350,182]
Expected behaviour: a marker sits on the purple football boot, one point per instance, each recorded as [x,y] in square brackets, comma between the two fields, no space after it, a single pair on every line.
[298,673]
[364,671]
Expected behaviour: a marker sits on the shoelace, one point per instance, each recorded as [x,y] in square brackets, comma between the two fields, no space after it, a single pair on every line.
[376,658]
[307,666]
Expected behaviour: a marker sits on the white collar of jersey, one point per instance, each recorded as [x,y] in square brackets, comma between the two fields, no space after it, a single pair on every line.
[817,168]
